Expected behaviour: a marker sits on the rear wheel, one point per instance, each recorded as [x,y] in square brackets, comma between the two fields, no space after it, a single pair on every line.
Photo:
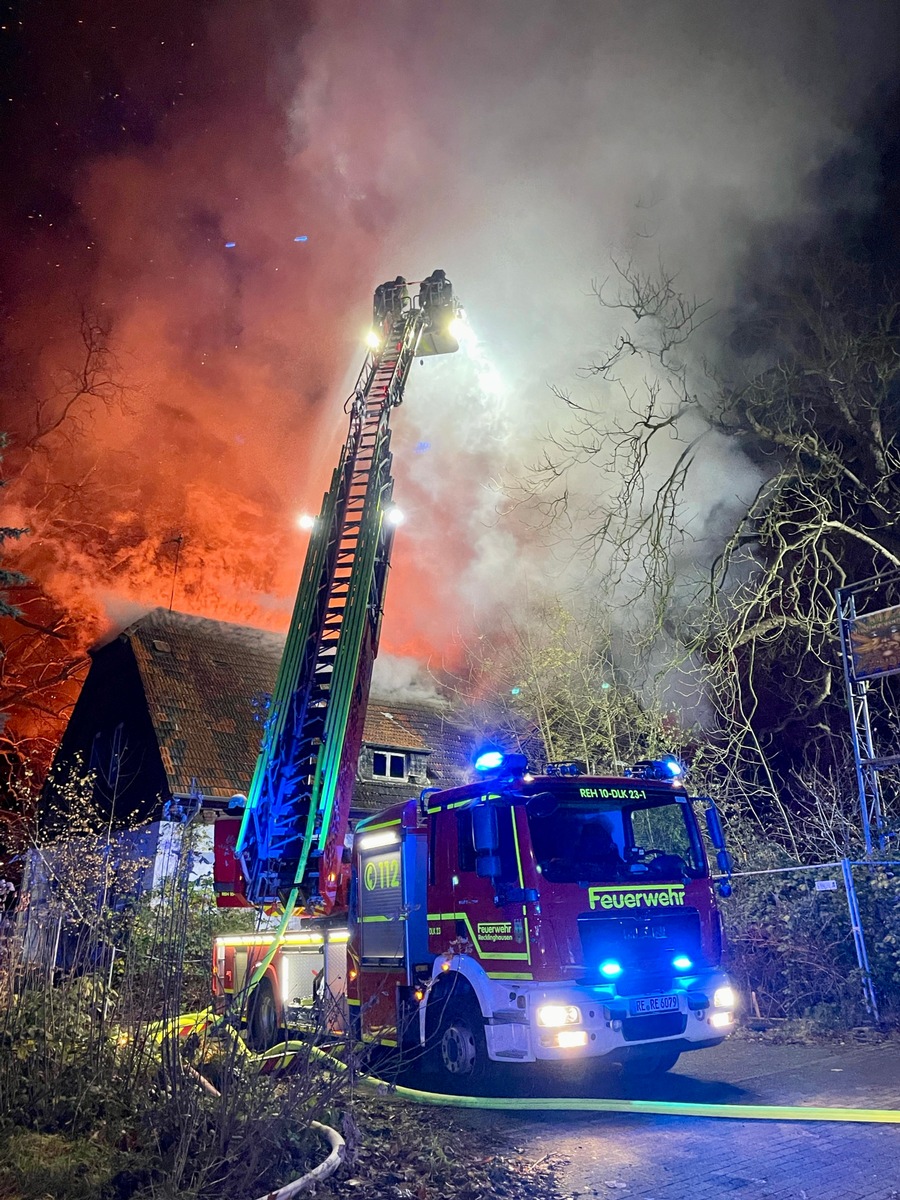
[262,1020]
[652,1062]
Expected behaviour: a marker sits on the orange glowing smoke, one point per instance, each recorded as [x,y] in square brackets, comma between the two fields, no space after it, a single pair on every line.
[221,370]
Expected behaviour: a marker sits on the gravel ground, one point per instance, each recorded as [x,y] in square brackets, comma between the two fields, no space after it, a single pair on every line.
[401,1152]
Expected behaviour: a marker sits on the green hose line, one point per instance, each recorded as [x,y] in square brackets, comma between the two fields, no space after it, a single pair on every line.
[661,1108]
[277,938]
[282,1055]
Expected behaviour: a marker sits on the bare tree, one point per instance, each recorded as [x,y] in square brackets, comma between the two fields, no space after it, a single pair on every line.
[813,401]
[554,672]
[53,476]
[75,393]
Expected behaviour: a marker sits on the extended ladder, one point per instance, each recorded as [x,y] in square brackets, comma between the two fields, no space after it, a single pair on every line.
[297,810]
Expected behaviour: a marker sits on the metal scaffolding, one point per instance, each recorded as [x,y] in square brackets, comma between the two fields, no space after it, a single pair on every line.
[860,630]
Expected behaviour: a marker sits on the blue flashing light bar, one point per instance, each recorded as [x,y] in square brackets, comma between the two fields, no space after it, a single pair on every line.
[489,760]
[666,768]
[681,962]
[611,969]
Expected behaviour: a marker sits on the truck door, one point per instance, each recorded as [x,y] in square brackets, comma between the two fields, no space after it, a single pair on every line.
[499,934]
[382,940]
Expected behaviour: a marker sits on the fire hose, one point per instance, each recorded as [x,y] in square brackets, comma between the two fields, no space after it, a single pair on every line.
[284,1054]
[281,1058]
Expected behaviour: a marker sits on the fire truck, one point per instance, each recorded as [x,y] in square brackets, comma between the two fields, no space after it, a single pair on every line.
[549,916]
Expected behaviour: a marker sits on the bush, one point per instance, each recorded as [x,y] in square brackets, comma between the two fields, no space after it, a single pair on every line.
[95,1101]
[793,946]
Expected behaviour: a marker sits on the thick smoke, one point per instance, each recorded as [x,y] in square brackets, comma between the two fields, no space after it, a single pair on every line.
[514,143]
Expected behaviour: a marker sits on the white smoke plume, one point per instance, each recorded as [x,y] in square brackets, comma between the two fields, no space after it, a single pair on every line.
[516,145]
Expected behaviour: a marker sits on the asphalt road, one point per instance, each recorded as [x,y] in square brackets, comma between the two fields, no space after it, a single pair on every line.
[686,1158]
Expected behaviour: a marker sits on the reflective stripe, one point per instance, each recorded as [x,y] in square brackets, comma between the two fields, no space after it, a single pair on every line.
[447,807]
[521,885]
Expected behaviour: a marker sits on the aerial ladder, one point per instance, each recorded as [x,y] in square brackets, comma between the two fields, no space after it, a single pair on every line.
[290,847]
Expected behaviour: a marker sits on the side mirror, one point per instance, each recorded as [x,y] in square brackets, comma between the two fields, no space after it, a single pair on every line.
[724,861]
[714,825]
[486,837]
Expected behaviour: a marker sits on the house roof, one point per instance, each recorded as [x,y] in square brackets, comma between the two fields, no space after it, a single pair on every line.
[390,728]
[206,683]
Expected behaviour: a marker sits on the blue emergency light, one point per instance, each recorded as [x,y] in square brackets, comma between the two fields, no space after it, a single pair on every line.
[489,760]
[668,768]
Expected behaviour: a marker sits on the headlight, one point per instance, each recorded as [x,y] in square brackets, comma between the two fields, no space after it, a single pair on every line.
[724,997]
[551,1016]
[721,1020]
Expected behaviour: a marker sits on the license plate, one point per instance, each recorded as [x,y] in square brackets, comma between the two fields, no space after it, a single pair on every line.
[653,1004]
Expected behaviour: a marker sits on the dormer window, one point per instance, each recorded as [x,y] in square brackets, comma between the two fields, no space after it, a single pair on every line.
[388,765]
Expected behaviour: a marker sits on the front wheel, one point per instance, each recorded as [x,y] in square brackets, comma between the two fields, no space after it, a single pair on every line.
[461,1049]
[652,1062]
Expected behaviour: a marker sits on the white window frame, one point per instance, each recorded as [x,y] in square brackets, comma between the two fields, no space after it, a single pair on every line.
[388,756]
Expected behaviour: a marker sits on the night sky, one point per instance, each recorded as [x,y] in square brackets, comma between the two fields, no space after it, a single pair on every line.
[514,143]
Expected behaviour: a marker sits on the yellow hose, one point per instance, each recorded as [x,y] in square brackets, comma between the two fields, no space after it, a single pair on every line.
[277,939]
[286,1051]
[279,1058]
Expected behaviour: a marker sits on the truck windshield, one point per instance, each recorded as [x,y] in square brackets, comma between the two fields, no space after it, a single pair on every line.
[579,841]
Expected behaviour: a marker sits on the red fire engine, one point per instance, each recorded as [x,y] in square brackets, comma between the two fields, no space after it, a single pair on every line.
[551,917]
[520,918]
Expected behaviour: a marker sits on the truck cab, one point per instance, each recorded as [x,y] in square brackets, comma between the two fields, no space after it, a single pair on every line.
[553,918]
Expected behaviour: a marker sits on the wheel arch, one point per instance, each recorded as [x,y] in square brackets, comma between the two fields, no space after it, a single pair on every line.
[465,978]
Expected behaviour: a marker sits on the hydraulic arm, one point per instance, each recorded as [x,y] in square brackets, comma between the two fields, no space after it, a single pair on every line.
[297,810]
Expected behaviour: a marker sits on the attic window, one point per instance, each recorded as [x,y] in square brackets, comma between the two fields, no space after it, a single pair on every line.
[162,647]
[388,766]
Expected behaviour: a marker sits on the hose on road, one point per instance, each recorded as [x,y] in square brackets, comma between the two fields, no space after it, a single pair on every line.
[280,1058]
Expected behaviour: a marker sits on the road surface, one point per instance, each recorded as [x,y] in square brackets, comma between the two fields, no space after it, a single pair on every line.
[674,1158]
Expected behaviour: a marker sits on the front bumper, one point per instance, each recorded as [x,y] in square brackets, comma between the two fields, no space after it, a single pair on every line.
[610,1024]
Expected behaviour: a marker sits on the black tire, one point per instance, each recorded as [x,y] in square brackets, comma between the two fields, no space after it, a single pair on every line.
[262,1019]
[460,1049]
[652,1062]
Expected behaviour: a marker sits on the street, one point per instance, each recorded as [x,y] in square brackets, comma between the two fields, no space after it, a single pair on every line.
[672,1158]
